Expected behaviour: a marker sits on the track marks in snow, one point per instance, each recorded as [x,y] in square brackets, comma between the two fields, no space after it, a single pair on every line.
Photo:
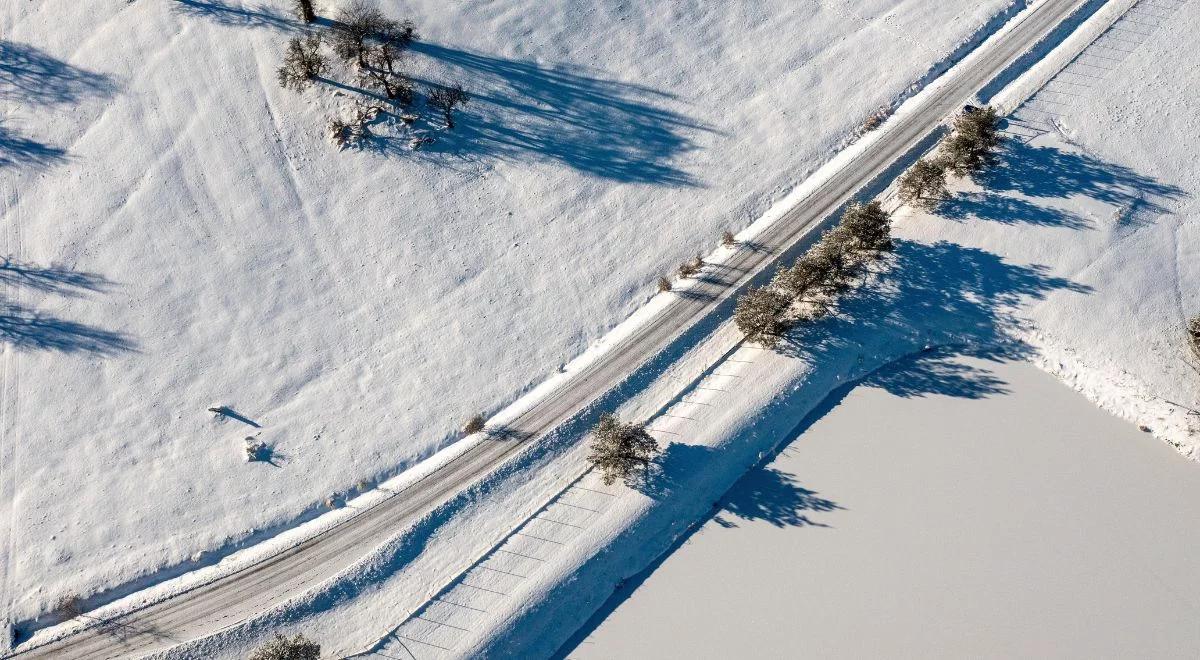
[1086,73]
[452,618]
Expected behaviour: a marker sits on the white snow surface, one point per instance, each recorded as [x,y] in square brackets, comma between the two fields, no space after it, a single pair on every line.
[1077,253]
[182,236]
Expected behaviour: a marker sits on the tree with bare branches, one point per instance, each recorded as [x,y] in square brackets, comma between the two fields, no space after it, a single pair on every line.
[302,63]
[360,26]
[446,99]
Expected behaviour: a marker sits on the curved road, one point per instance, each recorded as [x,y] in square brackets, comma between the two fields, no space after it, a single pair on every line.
[234,598]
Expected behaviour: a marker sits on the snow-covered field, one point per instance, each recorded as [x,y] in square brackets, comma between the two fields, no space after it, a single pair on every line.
[997,532]
[1077,253]
[181,235]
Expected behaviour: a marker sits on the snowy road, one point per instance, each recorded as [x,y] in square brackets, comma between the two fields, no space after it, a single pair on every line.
[236,597]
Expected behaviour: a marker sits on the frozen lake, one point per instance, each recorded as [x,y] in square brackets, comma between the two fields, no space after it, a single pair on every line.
[1006,517]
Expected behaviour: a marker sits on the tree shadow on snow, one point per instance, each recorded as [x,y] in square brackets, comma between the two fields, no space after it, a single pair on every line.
[769,494]
[26,328]
[30,75]
[61,280]
[975,294]
[224,13]
[605,128]
[1050,173]
[18,151]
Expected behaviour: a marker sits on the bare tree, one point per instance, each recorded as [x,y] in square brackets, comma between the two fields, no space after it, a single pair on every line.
[759,315]
[304,9]
[283,648]
[382,72]
[302,63]
[924,184]
[619,449]
[447,99]
[361,25]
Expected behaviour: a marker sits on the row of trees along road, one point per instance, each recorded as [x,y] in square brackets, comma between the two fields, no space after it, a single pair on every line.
[805,290]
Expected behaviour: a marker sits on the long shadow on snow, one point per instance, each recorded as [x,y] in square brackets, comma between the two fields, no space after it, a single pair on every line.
[224,13]
[1046,172]
[30,75]
[974,288]
[606,128]
[26,328]
[17,151]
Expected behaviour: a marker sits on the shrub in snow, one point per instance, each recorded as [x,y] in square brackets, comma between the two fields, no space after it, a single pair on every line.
[254,449]
[924,184]
[727,239]
[972,145]
[474,425]
[69,607]
[875,120]
[620,451]
[302,63]
[1193,331]
[446,99]
[664,285]
[283,648]
[690,268]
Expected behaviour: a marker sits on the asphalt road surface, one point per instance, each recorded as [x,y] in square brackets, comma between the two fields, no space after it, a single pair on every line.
[234,598]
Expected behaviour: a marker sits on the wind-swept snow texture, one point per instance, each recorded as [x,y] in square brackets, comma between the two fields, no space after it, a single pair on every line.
[182,236]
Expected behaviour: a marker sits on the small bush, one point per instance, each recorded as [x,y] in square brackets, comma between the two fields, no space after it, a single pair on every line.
[1193,330]
[727,239]
[619,450]
[664,285]
[283,648]
[474,425]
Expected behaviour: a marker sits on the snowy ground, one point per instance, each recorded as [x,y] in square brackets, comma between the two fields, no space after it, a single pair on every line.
[1077,253]
[997,532]
[181,236]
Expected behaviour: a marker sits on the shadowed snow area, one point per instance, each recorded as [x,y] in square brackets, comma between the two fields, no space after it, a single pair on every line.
[1000,515]
[360,305]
